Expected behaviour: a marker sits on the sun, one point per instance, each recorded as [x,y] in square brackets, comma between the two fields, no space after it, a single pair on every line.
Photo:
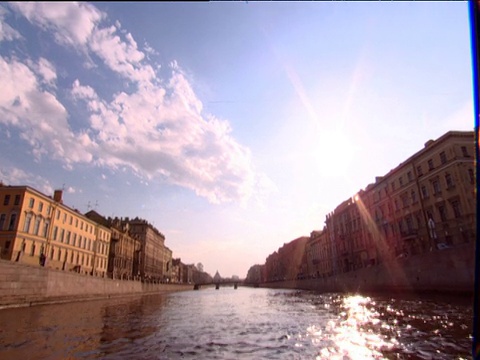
[334,153]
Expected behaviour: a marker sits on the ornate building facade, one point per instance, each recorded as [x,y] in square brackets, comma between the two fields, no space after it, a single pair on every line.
[40,230]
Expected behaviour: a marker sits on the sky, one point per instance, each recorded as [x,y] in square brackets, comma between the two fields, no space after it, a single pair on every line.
[232,127]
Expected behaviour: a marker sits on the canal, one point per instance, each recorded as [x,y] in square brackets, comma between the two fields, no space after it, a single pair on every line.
[245,323]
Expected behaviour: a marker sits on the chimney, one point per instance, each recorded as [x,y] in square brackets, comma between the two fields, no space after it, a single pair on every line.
[429,142]
[57,196]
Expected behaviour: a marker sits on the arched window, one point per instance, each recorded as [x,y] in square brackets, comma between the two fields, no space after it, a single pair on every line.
[37,225]
[45,228]
[28,219]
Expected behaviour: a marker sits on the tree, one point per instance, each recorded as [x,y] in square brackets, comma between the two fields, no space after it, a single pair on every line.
[200,267]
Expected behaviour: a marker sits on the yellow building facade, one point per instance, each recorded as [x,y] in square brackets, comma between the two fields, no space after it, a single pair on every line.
[37,229]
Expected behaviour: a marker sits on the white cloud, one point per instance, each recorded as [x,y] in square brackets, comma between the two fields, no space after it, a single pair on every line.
[7,33]
[121,56]
[40,117]
[158,131]
[14,176]
[166,135]
[44,70]
[71,22]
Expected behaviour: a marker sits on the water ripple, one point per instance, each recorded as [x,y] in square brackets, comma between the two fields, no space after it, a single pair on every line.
[244,323]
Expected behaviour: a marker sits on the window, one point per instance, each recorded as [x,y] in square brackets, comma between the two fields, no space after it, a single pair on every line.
[58,214]
[32,250]
[449,181]
[470,175]
[64,218]
[436,187]
[413,196]
[400,226]
[76,223]
[59,255]
[7,244]
[2,221]
[443,157]
[419,171]
[26,226]
[409,222]
[37,226]
[51,253]
[55,231]
[6,200]
[430,165]
[456,209]
[71,220]
[31,203]
[45,228]
[17,200]
[62,235]
[424,192]
[409,176]
[396,205]
[40,206]
[13,220]
[49,210]
[418,218]
[393,186]
[68,238]
[443,213]
[400,181]
[405,200]
[465,152]
[74,241]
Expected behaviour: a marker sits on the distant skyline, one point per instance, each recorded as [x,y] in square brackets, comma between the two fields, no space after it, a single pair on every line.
[232,127]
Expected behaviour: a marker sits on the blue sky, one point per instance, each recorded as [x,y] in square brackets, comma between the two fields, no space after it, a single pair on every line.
[233,127]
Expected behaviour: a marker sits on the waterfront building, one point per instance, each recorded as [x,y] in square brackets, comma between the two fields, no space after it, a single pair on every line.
[155,258]
[273,270]
[38,229]
[255,274]
[124,251]
[289,262]
[318,250]
[348,231]
[176,271]
[426,203]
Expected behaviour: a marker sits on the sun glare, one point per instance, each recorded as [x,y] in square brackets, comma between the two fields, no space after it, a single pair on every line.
[334,153]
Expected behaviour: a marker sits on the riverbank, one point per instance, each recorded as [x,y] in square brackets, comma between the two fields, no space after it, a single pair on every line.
[450,271]
[25,285]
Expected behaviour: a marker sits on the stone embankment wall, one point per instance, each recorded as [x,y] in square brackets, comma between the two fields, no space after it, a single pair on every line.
[25,285]
[445,271]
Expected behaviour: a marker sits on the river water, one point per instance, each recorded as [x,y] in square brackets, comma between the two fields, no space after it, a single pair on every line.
[245,323]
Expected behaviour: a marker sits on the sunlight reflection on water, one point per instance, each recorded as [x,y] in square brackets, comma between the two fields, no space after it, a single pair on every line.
[244,323]
[350,333]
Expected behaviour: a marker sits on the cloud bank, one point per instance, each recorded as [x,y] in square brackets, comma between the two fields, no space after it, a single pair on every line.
[154,126]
